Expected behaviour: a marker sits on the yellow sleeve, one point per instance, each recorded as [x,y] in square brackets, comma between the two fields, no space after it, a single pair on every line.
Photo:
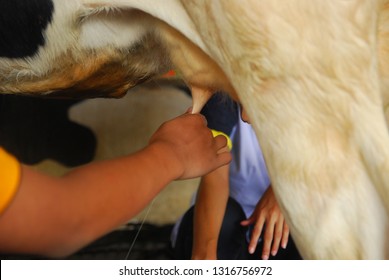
[9,178]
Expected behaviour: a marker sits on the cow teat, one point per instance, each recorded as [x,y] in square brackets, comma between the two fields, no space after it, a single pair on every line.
[200,97]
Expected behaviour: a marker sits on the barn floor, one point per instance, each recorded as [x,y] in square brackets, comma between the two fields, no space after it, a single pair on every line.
[152,243]
[57,135]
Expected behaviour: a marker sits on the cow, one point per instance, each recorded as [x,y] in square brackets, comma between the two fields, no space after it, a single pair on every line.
[312,75]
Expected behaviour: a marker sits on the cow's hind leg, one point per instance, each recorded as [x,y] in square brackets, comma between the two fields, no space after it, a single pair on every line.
[316,105]
[311,88]
[383,44]
[320,171]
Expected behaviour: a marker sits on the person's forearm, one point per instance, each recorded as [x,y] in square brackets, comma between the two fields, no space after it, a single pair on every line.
[60,214]
[209,212]
[125,186]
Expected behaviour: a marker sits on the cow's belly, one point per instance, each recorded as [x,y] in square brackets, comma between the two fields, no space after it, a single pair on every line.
[107,73]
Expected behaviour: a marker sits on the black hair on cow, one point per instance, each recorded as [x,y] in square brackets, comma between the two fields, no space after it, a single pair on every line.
[22,26]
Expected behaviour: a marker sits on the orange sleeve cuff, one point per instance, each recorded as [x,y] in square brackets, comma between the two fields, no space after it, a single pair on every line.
[9,178]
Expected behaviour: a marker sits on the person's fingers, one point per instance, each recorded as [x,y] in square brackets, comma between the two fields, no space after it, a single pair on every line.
[189,110]
[220,142]
[229,142]
[255,234]
[267,240]
[247,222]
[285,236]
[224,158]
[203,119]
[199,116]
[278,231]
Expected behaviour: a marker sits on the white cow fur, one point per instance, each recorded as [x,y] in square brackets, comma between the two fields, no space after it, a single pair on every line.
[313,76]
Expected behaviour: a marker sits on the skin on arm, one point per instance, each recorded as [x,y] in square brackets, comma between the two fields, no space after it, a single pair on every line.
[56,216]
[267,215]
[209,212]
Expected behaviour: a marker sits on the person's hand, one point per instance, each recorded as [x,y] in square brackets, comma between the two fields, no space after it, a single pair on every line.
[191,148]
[276,230]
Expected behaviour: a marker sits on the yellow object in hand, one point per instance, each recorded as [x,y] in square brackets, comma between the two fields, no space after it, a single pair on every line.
[216,133]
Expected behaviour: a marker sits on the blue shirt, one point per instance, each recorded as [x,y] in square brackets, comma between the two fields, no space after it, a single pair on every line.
[248,174]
